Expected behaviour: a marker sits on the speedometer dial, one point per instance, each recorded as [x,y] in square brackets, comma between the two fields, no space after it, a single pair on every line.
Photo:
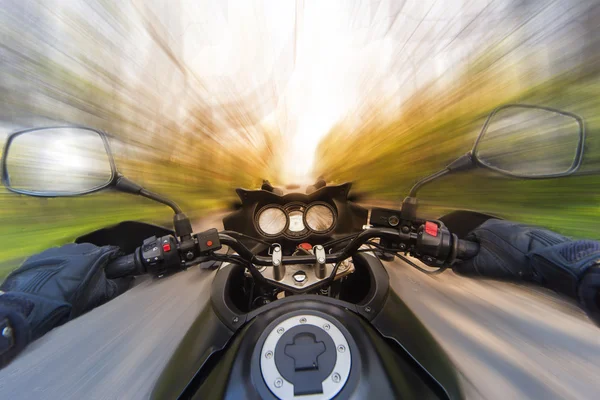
[272,221]
[319,218]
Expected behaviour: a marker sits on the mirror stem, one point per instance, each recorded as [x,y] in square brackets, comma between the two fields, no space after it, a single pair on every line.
[182,224]
[156,197]
[125,185]
[462,163]
[409,205]
[417,186]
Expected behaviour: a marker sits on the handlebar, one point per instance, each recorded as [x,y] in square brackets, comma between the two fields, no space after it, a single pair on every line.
[128,265]
[466,249]
[348,251]
[432,242]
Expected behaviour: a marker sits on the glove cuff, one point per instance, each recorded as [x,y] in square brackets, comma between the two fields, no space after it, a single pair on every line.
[15,332]
[562,266]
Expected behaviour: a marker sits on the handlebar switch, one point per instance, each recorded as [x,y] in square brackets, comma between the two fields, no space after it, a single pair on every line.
[434,243]
[208,240]
[152,252]
[160,255]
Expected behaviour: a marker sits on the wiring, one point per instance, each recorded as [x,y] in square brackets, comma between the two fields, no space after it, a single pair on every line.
[341,240]
[241,235]
[403,258]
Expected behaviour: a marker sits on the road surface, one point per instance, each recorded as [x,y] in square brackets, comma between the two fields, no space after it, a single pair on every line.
[508,341]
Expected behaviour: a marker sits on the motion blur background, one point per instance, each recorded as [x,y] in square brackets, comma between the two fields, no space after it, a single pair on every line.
[203,96]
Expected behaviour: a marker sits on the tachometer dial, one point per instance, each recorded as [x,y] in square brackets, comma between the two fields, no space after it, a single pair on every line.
[272,221]
[319,218]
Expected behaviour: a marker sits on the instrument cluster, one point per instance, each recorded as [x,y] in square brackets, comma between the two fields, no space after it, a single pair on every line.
[296,220]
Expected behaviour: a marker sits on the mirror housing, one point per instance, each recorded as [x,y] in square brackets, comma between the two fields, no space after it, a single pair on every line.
[530,142]
[58,162]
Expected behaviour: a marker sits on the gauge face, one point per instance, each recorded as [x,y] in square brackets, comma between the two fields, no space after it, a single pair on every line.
[272,221]
[296,223]
[319,218]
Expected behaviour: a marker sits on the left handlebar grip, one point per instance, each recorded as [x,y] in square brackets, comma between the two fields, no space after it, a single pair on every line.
[466,249]
[129,265]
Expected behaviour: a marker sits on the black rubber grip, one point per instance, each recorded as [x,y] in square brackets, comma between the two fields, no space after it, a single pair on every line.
[466,249]
[128,265]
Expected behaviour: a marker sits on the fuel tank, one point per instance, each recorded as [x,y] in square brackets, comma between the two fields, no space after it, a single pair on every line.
[314,350]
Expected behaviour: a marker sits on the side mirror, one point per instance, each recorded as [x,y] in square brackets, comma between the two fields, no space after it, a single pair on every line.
[71,161]
[530,142]
[518,140]
[59,161]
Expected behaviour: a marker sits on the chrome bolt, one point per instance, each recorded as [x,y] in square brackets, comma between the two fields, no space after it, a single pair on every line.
[321,260]
[302,320]
[280,330]
[269,354]
[189,255]
[319,247]
[7,332]
[277,248]
[405,229]
[276,263]
[278,382]
[299,277]
[235,320]
[336,377]
[341,348]
[368,309]
[326,327]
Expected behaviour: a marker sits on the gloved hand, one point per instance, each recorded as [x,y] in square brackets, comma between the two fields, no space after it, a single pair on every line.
[57,285]
[519,252]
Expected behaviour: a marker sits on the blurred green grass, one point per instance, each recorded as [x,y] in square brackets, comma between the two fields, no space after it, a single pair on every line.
[29,225]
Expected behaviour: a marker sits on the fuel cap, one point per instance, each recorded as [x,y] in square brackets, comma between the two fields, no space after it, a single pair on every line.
[307,357]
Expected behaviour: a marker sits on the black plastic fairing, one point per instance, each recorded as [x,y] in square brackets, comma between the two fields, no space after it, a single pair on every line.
[203,340]
[400,325]
[128,235]
[461,222]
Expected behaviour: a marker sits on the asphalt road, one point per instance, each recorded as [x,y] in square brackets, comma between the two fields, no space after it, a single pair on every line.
[508,341]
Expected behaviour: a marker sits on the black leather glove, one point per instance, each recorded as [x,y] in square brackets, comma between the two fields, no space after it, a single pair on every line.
[58,285]
[519,252]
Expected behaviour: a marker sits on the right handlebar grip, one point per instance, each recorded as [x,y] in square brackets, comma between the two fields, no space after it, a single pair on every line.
[466,249]
[128,265]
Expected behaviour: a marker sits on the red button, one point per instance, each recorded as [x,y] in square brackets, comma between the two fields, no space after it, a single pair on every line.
[209,243]
[305,246]
[431,228]
[166,247]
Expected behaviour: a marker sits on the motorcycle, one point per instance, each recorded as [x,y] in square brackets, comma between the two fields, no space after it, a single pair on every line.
[300,306]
